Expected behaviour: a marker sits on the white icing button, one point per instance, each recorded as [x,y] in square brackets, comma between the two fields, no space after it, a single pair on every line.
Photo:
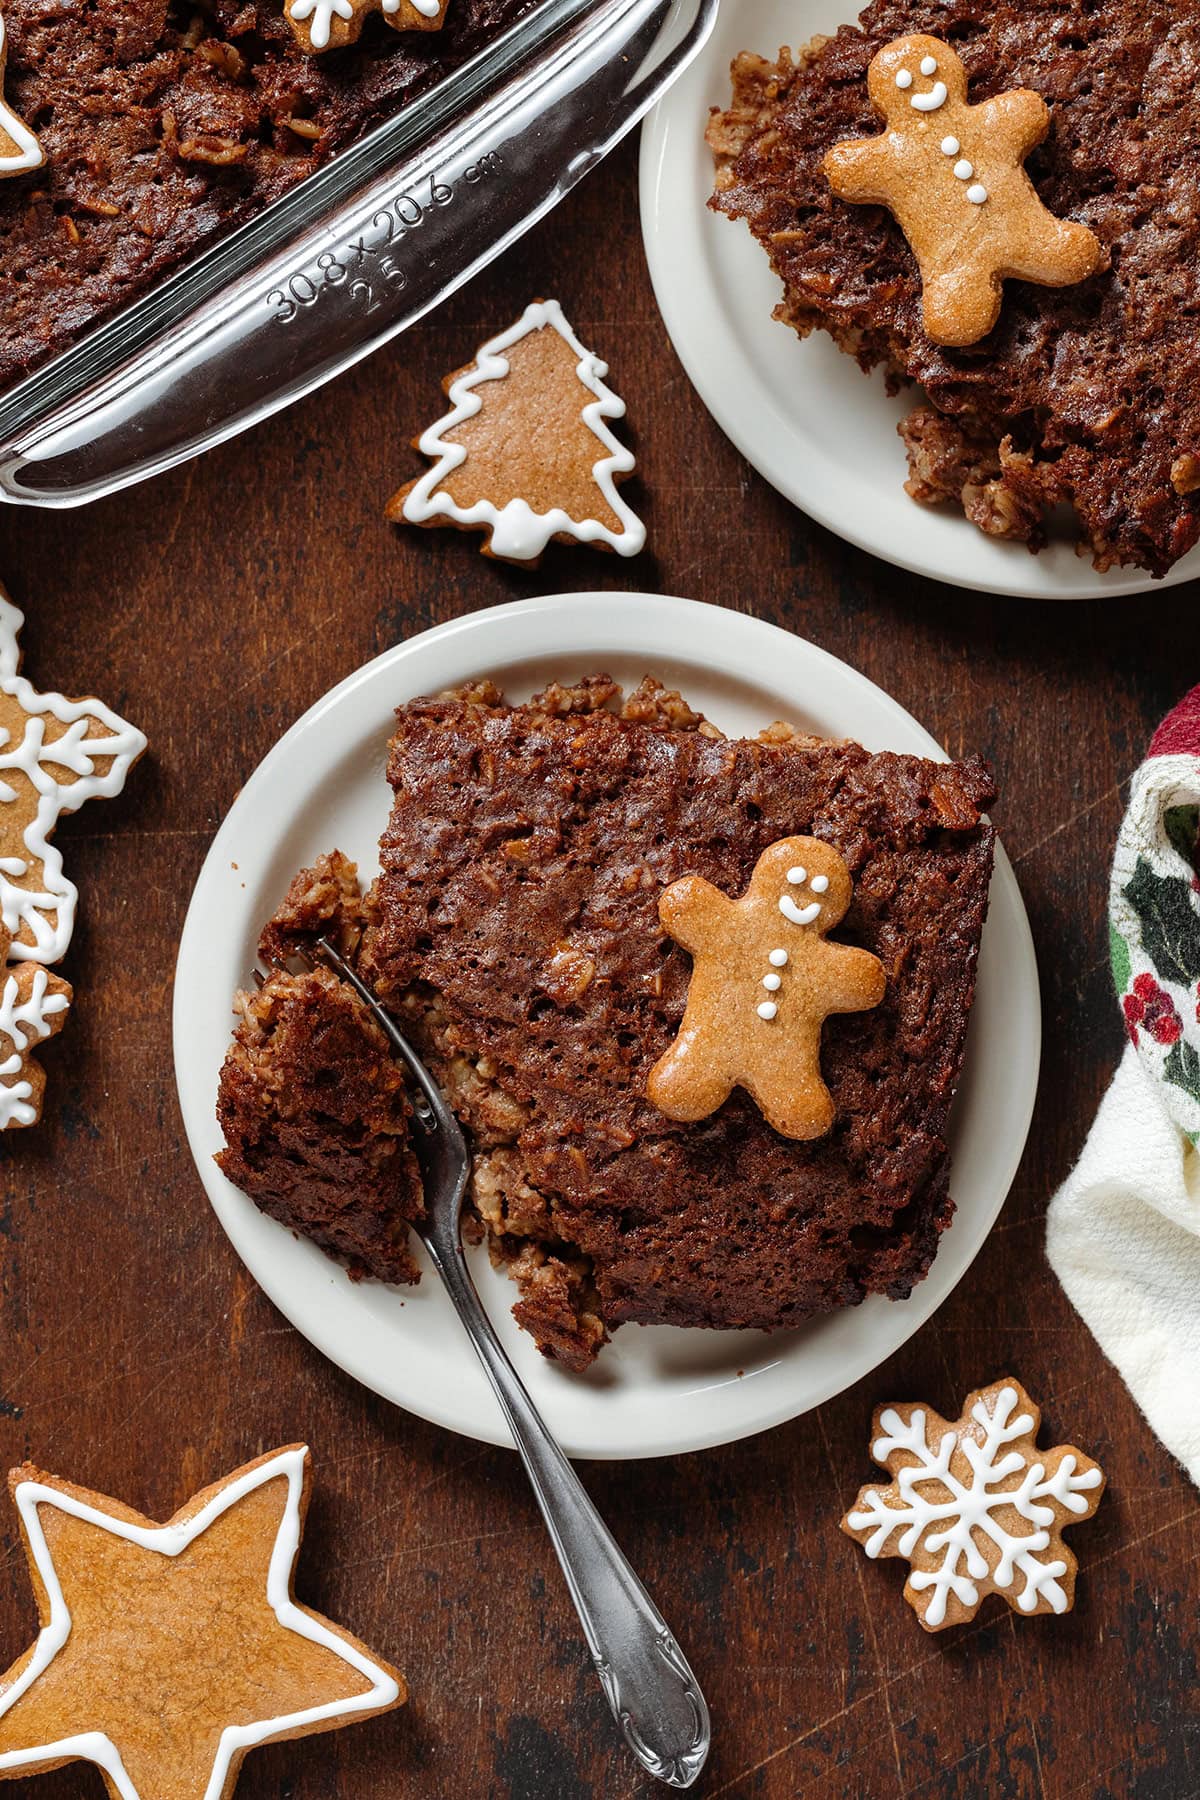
[797,876]
[772,983]
[977,194]
[950,146]
[904,78]
[820,884]
[964,170]
[928,65]
[778,958]
[767,1010]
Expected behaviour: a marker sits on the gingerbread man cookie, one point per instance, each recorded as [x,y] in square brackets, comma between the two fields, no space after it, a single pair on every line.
[526,453]
[953,175]
[33,1007]
[19,148]
[764,980]
[330,24]
[166,1652]
[975,1506]
[54,754]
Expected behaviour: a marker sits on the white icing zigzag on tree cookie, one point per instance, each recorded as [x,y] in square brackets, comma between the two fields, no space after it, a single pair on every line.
[518,532]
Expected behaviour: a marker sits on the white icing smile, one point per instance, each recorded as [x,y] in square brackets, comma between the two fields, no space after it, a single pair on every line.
[937,96]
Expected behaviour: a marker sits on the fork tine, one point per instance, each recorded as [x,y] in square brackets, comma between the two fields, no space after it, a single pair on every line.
[429,1088]
[259,979]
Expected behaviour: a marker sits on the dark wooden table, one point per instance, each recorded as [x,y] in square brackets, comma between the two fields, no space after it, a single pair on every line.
[213,606]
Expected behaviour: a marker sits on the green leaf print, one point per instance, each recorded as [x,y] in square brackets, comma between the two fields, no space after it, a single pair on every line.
[1182,826]
[1118,950]
[1182,1068]
[1170,924]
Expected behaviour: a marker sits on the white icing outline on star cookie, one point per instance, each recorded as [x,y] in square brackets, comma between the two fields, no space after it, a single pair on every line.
[518,532]
[171,1540]
[49,913]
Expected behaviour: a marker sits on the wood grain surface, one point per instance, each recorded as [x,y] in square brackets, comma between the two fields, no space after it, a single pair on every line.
[212,607]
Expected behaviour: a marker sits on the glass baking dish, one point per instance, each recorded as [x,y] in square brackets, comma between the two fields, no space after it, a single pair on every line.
[350,257]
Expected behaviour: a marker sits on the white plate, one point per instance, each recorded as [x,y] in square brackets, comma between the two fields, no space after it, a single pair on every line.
[654,1390]
[803,413]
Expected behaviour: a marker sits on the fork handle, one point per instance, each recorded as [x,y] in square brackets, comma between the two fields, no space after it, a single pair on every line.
[655,1698]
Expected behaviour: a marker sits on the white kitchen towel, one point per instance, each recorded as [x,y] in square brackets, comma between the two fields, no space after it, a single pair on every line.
[1123,1233]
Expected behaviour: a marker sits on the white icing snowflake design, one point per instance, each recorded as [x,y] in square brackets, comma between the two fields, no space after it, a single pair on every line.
[957,1511]
[61,769]
[24,1022]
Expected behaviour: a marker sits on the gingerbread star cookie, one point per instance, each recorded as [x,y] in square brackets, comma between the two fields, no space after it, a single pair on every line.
[33,1007]
[525,453]
[953,175]
[166,1652]
[54,754]
[330,24]
[19,148]
[764,980]
[975,1506]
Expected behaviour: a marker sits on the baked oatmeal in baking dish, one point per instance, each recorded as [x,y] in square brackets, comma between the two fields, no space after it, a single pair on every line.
[164,124]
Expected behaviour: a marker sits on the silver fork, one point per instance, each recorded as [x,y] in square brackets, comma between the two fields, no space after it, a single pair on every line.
[655,1698]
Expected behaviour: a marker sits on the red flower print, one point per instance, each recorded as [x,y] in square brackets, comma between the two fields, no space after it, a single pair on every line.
[1151,1008]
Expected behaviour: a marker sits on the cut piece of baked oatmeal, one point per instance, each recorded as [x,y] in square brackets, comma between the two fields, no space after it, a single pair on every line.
[514,930]
[312,1104]
[1080,395]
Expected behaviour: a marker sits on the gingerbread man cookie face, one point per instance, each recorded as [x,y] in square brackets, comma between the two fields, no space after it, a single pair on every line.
[331,24]
[764,980]
[953,176]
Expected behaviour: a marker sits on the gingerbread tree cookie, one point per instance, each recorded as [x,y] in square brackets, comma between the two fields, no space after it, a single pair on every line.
[19,148]
[525,452]
[953,175]
[764,980]
[166,1652]
[975,1506]
[54,754]
[33,1007]
[330,24]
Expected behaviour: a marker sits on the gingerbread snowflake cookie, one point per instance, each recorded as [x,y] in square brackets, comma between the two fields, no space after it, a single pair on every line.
[20,150]
[166,1652]
[54,754]
[764,980]
[525,453]
[975,1506]
[33,1007]
[953,175]
[330,24]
